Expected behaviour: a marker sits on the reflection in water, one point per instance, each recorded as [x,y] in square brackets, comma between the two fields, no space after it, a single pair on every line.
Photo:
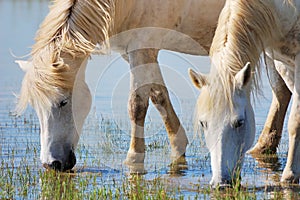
[291,192]
[157,188]
[269,162]
[178,167]
[137,168]
[269,165]
[280,191]
[137,183]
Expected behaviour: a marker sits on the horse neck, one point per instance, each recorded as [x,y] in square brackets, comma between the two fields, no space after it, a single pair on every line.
[228,61]
[77,65]
[245,29]
[122,10]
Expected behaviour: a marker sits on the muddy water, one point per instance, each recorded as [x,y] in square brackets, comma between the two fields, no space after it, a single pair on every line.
[106,135]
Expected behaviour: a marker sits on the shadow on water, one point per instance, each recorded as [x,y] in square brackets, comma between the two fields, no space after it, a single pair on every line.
[95,170]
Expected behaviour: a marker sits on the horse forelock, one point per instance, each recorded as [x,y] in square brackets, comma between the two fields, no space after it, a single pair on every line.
[245,29]
[211,100]
[44,87]
[209,106]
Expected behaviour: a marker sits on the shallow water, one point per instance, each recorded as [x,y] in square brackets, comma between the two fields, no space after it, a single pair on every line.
[106,135]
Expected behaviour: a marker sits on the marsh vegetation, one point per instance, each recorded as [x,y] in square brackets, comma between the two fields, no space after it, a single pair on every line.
[100,172]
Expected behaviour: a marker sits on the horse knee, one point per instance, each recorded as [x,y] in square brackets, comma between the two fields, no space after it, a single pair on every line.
[137,107]
[159,95]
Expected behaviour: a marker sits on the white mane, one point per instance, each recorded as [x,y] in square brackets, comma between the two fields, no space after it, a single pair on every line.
[243,33]
[71,30]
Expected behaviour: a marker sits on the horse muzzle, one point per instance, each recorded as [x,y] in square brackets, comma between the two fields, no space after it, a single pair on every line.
[228,182]
[58,165]
[221,184]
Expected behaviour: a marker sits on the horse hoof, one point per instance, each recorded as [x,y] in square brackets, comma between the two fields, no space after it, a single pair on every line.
[133,158]
[288,177]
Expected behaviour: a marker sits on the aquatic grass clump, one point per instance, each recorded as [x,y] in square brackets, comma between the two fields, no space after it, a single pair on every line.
[18,179]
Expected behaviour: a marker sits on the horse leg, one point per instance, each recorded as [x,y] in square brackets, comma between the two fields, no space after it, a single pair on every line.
[291,171]
[147,81]
[140,67]
[160,98]
[271,134]
[176,133]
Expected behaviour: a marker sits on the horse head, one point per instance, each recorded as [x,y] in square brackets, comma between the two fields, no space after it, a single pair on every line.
[61,109]
[229,130]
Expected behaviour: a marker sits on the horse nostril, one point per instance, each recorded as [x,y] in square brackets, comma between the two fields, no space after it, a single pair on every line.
[71,161]
[56,165]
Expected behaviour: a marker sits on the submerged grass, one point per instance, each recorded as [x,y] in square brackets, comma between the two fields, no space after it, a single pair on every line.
[95,177]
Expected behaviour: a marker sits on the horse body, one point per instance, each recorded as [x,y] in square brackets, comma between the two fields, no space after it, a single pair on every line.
[195,19]
[245,30]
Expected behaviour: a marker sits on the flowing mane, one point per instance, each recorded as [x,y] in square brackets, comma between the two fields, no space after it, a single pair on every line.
[72,29]
[245,29]
[76,26]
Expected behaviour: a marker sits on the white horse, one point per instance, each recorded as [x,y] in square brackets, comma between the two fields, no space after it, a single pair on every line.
[54,83]
[245,30]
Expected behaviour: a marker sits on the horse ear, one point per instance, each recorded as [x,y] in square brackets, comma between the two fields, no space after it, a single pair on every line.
[198,79]
[242,78]
[24,65]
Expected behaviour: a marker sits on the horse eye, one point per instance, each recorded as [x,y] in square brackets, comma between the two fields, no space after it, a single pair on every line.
[63,103]
[203,124]
[238,123]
